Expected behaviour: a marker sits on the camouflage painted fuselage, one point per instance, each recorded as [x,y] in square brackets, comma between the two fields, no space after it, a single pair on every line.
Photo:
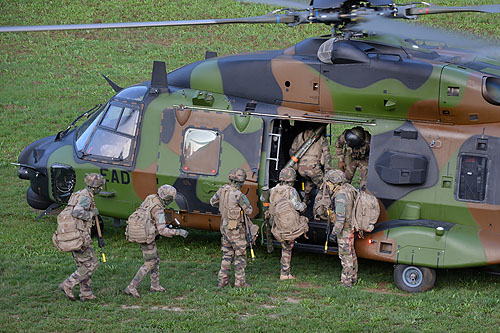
[434,162]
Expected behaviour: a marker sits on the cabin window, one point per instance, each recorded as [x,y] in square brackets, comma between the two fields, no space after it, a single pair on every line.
[472,178]
[111,136]
[200,151]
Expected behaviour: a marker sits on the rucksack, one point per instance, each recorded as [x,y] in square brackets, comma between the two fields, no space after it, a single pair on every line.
[288,224]
[365,212]
[71,233]
[140,225]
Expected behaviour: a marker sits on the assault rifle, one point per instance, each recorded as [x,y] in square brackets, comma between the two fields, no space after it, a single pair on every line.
[328,227]
[267,223]
[100,241]
[248,233]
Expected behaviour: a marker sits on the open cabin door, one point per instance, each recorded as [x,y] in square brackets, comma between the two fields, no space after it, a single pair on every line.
[197,151]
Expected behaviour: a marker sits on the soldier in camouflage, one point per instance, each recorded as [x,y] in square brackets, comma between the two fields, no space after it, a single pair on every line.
[156,203]
[343,196]
[232,205]
[353,149]
[85,258]
[291,201]
[310,165]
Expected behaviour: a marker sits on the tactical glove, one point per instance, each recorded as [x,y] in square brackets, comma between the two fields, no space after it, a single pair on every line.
[342,166]
[332,238]
[182,233]
[95,211]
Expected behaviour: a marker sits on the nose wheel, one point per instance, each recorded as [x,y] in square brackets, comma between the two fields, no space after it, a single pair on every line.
[414,279]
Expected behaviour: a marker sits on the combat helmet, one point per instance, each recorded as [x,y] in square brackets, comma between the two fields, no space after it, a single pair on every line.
[355,137]
[237,175]
[335,176]
[167,193]
[94,180]
[287,175]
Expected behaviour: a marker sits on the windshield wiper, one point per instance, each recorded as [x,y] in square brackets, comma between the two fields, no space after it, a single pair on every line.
[88,113]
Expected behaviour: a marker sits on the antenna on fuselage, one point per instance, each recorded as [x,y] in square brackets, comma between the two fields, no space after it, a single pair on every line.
[159,81]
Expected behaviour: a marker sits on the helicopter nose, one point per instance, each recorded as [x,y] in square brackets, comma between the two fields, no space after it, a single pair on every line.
[32,167]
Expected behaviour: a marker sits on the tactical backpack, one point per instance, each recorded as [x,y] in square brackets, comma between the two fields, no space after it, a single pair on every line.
[288,224]
[322,203]
[365,212]
[140,225]
[71,234]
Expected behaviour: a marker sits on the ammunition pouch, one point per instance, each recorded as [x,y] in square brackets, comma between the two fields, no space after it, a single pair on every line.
[233,218]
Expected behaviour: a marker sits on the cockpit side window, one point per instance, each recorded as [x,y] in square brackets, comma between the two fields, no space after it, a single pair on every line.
[111,137]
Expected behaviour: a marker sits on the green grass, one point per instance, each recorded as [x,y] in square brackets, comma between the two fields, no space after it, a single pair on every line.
[48,78]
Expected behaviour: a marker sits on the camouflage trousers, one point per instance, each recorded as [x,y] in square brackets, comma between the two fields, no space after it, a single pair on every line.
[348,258]
[86,265]
[286,257]
[350,168]
[313,175]
[234,250]
[151,265]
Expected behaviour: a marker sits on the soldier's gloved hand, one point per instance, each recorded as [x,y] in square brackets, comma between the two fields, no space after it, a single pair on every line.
[95,211]
[182,233]
[342,166]
[332,238]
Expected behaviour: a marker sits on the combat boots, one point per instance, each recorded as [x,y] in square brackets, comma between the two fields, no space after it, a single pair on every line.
[241,285]
[88,298]
[130,290]
[157,288]
[67,291]
[287,277]
[222,284]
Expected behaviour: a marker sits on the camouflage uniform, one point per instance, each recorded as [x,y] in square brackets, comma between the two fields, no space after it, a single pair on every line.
[310,164]
[230,201]
[85,258]
[343,202]
[287,178]
[354,156]
[157,203]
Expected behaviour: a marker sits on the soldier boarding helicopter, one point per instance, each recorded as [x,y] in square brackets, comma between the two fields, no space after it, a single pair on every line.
[433,112]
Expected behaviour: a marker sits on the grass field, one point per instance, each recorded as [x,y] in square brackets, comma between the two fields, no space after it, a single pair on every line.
[48,78]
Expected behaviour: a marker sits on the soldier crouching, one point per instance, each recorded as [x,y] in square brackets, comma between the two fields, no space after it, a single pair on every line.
[78,217]
[147,222]
[232,205]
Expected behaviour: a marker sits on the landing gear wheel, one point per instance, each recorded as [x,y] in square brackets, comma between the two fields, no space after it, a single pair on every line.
[414,279]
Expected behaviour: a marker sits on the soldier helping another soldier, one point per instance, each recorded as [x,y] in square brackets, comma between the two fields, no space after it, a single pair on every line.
[311,163]
[73,235]
[343,195]
[143,226]
[233,206]
[288,225]
[353,149]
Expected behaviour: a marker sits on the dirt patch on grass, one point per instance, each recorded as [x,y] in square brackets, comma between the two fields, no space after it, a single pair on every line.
[292,300]
[305,285]
[382,288]
[267,306]
[180,298]
[168,308]
[131,307]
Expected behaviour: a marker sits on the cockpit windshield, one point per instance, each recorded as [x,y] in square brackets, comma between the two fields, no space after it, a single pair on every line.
[109,134]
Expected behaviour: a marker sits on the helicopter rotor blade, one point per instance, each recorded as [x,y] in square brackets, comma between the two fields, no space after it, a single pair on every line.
[269,18]
[281,3]
[492,9]
[380,25]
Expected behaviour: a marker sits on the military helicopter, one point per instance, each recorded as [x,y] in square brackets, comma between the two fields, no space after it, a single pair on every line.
[433,111]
